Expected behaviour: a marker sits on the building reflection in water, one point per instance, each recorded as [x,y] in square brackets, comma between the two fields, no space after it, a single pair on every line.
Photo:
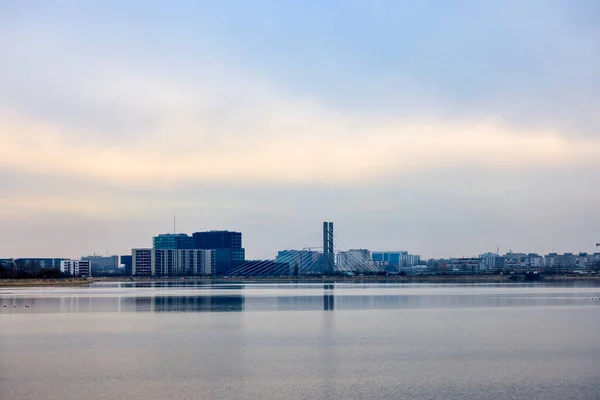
[150,303]
[328,299]
[300,302]
[238,297]
[204,303]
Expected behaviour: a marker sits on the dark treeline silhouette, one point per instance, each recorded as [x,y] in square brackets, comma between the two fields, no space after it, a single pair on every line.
[30,270]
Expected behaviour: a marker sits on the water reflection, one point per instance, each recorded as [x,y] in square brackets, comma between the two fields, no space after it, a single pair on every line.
[233,303]
[328,299]
[238,297]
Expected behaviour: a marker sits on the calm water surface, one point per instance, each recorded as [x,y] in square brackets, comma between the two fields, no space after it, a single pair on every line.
[184,340]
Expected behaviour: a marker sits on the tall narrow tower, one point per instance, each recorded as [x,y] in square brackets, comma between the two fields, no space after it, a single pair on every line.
[328,258]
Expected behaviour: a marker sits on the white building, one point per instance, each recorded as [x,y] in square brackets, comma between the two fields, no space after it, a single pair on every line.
[413,259]
[76,267]
[536,261]
[489,261]
[173,262]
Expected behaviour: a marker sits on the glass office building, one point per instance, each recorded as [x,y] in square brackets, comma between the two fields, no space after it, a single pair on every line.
[172,241]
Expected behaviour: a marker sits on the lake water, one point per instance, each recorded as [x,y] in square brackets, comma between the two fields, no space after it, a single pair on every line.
[184,340]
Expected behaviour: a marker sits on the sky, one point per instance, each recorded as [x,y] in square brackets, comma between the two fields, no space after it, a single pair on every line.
[446,129]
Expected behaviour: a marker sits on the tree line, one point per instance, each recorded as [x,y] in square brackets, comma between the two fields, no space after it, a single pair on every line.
[20,269]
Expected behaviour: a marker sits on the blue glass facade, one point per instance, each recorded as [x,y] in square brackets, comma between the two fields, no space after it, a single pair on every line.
[228,245]
[127,262]
[229,253]
[172,241]
[390,257]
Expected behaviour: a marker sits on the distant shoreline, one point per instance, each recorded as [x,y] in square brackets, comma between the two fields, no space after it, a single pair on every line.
[303,279]
[45,282]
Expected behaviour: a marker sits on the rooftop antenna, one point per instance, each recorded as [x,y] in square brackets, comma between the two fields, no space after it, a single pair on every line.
[174,226]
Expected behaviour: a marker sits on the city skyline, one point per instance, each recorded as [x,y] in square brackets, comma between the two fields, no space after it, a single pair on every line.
[183,241]
[450,130]
[221,253]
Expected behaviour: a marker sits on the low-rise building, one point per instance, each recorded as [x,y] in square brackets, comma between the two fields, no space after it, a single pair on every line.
[126,263]
[103,265]
[489,261]
[385,258]
[38,262]
[307,261]
[395,261]
[354,259]
[464,265]
[81,268]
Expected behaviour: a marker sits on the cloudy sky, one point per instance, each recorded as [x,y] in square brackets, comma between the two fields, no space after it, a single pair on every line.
[445,128]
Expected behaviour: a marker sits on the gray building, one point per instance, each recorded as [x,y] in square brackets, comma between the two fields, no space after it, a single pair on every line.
[142,262]
[308,261]
[103,265]
[354,260]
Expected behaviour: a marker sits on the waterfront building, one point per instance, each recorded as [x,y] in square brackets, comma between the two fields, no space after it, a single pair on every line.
[593,260]
[50,263]
[126,262]
[535,261]
[489,261]
[173,262]
[413,259]
[171,241]
[354,259]
[141,262]
[434,264]
[582,260]
[229,253]
[81,268]
[103,265]
[217,240]
[390,257]
[464,265]
[308,261]
[550,260]
[566,261]
[396,258]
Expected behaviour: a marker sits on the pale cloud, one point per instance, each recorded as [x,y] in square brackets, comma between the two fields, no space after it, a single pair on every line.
[281,143]
[71,201]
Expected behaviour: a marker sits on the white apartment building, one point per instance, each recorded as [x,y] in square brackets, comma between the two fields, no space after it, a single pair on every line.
[76,267]
[173,262]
